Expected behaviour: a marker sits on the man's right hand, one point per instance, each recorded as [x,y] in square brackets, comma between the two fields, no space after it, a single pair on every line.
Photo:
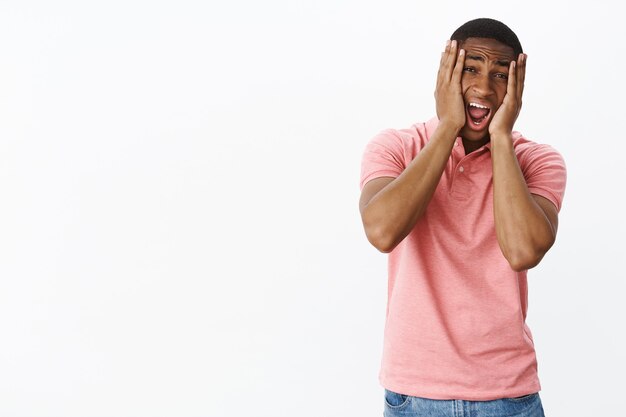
[448,93]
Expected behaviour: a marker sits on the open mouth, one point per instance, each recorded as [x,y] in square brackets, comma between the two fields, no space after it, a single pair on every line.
[478,114]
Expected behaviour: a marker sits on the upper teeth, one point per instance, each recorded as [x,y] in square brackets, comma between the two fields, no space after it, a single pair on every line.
[480,106]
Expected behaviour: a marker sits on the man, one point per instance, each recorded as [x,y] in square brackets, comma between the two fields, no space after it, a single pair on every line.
[464,205]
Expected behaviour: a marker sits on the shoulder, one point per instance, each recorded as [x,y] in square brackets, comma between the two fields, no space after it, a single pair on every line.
[529,152]
[405,140]
[543,168]
[389,152]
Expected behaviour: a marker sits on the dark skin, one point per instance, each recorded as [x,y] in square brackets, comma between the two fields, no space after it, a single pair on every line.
[481,68]
[483,72]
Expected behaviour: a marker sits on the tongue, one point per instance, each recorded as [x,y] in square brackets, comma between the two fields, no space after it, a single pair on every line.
[477,113]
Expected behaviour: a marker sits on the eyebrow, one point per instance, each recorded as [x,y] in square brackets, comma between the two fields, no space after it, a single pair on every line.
[500,62]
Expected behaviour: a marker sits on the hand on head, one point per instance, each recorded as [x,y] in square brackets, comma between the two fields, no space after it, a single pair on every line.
[483,86]
[505,117]
[448,94]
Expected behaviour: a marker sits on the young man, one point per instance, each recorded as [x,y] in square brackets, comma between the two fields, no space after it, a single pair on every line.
[464,206]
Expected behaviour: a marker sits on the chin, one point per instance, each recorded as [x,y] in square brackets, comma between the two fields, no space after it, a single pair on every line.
[473,135]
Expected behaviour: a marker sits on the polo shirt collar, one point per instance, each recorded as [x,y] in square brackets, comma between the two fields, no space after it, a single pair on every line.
[431,125]
[514,135]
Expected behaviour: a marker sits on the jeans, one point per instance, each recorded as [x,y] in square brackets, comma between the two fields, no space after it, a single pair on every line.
[400,405]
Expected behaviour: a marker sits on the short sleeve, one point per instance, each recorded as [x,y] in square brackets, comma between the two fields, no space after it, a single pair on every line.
[383,157]
[545,173]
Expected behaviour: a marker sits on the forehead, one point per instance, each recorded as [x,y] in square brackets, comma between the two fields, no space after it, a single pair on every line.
[490,48]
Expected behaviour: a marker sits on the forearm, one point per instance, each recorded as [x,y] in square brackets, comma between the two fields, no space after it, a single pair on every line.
[390,215]
[523,230]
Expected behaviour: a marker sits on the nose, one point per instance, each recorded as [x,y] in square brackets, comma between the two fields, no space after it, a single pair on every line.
[482,85]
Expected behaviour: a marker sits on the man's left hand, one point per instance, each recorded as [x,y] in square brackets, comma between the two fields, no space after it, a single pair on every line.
[504,119]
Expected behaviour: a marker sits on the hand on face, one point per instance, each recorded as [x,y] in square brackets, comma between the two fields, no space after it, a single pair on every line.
[448,94]
[504,118]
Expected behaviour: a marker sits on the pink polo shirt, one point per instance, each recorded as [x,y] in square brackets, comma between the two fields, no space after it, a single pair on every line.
[455,325]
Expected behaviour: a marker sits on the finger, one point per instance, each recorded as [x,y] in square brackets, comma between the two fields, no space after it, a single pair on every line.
[443,54]
[458,67]
[449,60]
[442,74]
[452,58]
[521,75]
[511,87]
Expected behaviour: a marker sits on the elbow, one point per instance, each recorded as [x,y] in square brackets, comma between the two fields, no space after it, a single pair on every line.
[381,239]
[528,257]
[523,263]
[384,231]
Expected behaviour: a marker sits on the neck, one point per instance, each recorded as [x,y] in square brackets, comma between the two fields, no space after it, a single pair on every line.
[471,145]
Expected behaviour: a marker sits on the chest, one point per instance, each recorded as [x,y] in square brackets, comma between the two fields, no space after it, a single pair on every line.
[467,179]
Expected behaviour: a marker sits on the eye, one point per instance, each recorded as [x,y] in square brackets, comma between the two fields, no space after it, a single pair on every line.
[469,69]
[502,76]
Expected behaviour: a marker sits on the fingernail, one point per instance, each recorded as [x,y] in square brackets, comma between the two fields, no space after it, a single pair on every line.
[448,42]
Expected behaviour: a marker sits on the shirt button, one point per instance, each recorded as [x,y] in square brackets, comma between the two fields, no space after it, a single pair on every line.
[461,169]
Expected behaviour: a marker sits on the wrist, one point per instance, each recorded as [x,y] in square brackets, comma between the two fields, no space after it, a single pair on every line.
[499,139]
[501,135]
[450,126]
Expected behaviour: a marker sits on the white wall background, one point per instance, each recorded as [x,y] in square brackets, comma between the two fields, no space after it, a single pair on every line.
[179,231]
